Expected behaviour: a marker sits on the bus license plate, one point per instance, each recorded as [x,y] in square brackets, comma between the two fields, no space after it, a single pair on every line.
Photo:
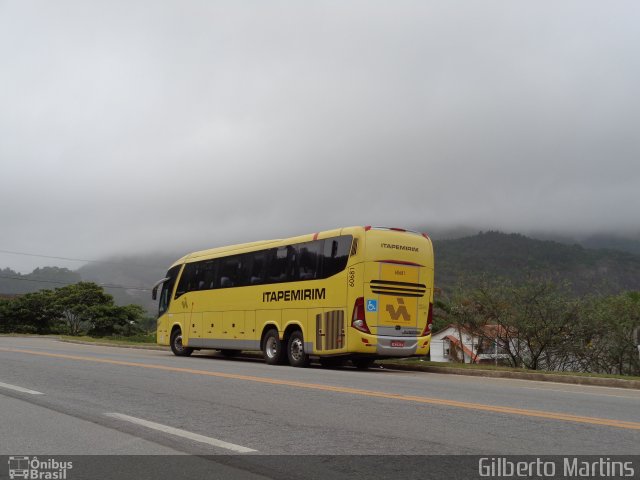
[397,343]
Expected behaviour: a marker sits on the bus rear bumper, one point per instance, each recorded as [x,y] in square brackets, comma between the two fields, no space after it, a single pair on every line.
[388,346]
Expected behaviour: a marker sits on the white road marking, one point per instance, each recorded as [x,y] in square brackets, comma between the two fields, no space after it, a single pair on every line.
[19,389]
[182,433]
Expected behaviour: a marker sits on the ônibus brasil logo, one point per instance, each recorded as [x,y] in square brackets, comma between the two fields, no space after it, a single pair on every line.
[36,469]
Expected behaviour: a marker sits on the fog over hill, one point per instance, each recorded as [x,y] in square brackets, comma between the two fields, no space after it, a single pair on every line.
[130,127]
[135,271]
[614,242]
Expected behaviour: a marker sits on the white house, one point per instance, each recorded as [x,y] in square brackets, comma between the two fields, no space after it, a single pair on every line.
[457,344]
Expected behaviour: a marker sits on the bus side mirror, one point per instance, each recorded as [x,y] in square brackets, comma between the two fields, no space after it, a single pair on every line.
[154,290]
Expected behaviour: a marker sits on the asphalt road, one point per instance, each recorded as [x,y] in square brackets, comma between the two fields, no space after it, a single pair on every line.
[70,399]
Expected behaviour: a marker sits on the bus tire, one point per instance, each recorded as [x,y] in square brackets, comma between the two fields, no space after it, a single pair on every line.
[176,344]
[295,350]
[362,363]
[272,348]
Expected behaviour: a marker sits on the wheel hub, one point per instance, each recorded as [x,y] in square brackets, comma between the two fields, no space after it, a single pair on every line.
[297,349]
[178,343]
[272,347]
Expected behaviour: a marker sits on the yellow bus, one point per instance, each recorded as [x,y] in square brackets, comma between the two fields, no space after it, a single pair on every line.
[355,293]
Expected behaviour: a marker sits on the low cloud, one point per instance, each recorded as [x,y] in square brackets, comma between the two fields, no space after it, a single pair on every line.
[173,126]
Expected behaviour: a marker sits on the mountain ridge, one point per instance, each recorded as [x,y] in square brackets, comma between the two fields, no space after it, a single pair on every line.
[515,256]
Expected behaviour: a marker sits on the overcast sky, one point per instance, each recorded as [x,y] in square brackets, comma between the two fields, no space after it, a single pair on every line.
[129,126]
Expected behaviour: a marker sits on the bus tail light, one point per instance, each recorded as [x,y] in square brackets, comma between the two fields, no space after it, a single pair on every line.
[427,328]
[358,320]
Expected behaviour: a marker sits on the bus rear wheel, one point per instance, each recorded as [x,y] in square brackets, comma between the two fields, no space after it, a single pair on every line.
[295,350]
[176,344]
[272,348]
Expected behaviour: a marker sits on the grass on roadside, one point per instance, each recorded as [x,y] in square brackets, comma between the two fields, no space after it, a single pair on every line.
[468,366]
[140,339]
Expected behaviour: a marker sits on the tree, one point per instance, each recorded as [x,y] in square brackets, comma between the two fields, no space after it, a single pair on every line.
[609,327]
[6,320]
[460,311]
[535,320]
[82,307]
[37,311]
[113,319]
[80,303]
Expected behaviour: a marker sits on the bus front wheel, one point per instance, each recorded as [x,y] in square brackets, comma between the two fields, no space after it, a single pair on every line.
[272,348]
[295,350]
[176,344]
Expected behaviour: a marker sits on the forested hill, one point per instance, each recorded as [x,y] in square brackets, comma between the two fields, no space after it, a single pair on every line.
[493,254]
[13,283]
[127,279]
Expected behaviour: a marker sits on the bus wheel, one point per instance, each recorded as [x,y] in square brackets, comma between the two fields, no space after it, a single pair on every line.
[272,348]
[362,363]
[176,344]
[295,350]
[229,353]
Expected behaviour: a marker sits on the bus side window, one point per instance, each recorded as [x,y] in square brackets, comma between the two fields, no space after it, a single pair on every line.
[336,255]
[293,269]
[198,277]
[208,277]
[309,255]
[187,279]
[256,267]
[278,265]
[229,271]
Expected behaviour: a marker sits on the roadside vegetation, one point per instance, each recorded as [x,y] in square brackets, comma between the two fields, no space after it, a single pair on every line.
[138,339]
[80,309]
[541,325]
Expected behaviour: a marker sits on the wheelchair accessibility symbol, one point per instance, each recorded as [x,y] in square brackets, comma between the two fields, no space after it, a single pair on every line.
[372,305]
